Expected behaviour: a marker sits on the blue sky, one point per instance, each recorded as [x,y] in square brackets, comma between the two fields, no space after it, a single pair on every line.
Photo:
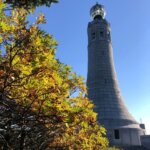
[130,23]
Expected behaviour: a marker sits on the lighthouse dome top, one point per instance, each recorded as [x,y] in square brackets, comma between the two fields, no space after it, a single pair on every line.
[98,11]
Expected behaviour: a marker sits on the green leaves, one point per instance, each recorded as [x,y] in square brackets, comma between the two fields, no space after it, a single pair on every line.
[4,26]
[42,88]
[2,6]
[29,4]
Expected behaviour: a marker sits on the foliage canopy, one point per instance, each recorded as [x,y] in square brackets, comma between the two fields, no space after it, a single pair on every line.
[28,4]
[37,107]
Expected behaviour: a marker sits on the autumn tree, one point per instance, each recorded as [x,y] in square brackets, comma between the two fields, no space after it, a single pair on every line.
[37,106]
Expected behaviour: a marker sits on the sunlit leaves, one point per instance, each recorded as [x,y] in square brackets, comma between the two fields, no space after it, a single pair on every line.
[49,98]
[1,39]
[41,19]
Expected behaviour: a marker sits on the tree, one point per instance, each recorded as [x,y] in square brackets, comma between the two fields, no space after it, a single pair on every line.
[29,4]
[37,106]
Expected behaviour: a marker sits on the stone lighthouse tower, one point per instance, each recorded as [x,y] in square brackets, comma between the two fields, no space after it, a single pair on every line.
[103,87]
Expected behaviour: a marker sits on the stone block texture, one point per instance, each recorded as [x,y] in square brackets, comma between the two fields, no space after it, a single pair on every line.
[103,87]
[145,140]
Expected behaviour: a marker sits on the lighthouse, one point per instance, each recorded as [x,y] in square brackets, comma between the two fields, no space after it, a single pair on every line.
[103,87]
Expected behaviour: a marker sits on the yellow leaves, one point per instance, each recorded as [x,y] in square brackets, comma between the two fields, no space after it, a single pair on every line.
[57,78]
[45,85]
[53,96]
[48,103]
[15,15]
[35,106]
[33,29]
[16,60]
[87,137]
[4,26]
[67,125]
[41,19]
[26,70]
[2,6]
[1,39]
[37,41]
[24,32]
[84,124]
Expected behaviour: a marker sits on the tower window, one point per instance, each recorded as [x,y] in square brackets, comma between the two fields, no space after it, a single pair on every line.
[101,34]
[117,134]
[108,35]
[93,35]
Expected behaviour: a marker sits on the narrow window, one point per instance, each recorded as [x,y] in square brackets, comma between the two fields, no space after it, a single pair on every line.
[108,35]
[101,34]
[93,35]
[117,135]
